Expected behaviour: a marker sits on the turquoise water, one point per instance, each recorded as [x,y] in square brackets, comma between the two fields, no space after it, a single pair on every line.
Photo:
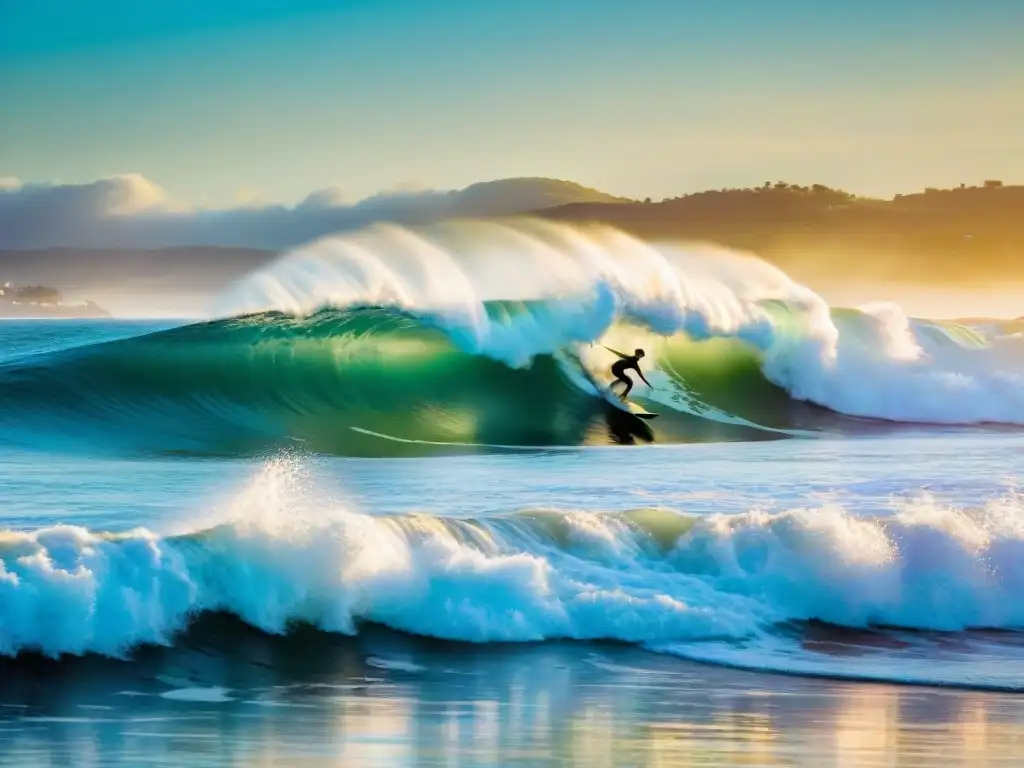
[346,538]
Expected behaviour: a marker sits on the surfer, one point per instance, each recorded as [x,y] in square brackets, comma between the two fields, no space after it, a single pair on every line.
[623,364]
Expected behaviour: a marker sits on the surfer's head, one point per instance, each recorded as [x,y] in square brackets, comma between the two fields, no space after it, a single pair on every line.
[638,352]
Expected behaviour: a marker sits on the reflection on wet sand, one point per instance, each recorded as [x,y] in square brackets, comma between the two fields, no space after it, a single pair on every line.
[315,700]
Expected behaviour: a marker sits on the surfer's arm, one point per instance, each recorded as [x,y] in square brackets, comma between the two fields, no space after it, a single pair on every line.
[641,374]
[621,356]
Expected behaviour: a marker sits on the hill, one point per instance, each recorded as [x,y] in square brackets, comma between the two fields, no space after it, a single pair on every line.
[936,236]
[509,196]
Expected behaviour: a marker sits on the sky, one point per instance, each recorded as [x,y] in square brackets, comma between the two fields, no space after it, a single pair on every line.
[229,102]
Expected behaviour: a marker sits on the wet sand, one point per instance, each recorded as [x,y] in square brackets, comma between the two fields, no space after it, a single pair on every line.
[383,699]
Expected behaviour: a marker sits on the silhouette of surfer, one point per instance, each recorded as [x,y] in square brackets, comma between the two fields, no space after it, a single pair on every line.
[623,364]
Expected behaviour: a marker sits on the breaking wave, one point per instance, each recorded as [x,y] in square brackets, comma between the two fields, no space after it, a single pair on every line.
[494,334]
[687,585]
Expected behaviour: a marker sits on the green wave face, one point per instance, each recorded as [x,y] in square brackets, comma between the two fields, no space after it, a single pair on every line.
[360,382]
[723,376]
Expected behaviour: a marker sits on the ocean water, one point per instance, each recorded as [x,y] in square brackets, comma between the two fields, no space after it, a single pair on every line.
[376,511]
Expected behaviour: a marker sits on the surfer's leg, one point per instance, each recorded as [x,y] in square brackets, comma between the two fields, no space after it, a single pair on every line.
[629,385]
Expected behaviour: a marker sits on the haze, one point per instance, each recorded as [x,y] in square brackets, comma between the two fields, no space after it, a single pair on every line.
[268,100]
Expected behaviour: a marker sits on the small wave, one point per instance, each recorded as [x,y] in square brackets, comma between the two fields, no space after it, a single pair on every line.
[973,660]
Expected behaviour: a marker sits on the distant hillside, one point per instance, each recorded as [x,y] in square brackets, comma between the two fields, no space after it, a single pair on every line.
[967,233]
[509,196]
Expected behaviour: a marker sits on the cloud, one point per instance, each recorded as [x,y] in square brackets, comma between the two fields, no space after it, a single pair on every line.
[329,197]
[131,211]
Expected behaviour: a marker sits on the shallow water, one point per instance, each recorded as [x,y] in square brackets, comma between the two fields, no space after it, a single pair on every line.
[387,700]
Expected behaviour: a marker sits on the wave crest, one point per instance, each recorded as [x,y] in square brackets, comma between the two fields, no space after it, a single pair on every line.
[586,284]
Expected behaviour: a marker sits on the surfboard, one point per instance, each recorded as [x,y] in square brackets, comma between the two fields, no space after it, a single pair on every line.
[627,406]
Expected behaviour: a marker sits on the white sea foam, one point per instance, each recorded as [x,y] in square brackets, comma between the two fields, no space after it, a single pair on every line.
[587,575]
